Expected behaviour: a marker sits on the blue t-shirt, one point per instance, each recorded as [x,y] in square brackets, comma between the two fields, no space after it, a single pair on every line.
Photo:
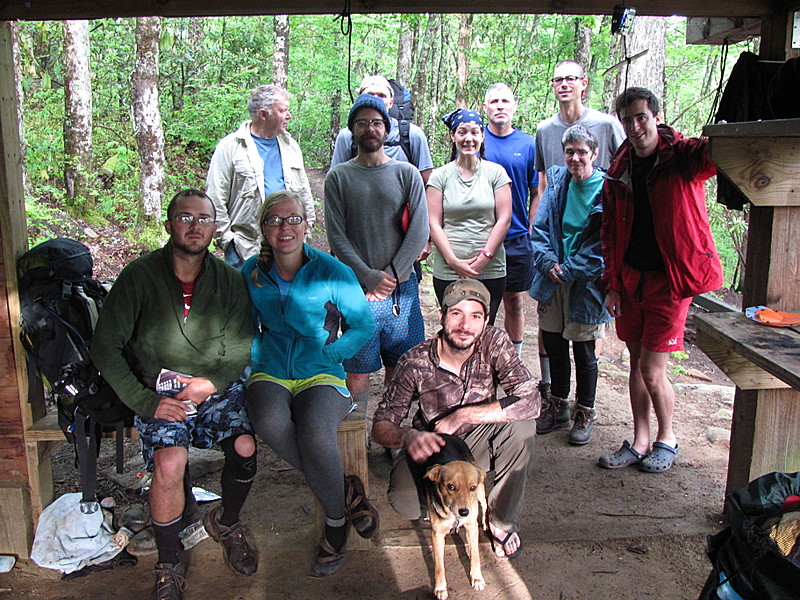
[516,152]
[273,166]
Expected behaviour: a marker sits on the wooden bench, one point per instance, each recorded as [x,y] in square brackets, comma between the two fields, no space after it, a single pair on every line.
[352,438]
[41,440]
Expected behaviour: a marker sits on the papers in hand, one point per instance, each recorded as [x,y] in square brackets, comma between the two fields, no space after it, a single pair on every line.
[167,384]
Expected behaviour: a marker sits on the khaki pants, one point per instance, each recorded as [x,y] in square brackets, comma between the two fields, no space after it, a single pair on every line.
[504,448]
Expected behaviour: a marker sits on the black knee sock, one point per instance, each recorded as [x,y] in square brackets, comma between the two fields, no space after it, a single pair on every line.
[236,481]
[167,541]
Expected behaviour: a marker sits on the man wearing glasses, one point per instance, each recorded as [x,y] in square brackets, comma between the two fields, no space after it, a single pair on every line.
[569,84]
[376,220]
[248,165]
[183,310]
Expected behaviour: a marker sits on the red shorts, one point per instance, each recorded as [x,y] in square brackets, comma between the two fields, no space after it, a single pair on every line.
[650,316]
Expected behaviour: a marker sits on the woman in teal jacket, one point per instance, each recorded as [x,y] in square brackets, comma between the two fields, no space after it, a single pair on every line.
[310,314]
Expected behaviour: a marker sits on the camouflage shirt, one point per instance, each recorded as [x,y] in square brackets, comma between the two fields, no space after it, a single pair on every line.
[495,363]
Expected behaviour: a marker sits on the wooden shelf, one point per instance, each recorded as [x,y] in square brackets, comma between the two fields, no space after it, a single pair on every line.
[754,356]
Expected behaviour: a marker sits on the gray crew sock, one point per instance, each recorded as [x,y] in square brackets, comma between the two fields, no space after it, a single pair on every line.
[544,365]
[517,346]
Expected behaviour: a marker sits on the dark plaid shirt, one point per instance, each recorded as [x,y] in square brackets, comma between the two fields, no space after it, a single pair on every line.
[494,364]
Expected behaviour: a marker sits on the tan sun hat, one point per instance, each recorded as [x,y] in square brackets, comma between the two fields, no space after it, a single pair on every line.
[466,289]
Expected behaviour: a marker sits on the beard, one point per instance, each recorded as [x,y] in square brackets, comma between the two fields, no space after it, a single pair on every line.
[369,142]
[190,247]
[458,344]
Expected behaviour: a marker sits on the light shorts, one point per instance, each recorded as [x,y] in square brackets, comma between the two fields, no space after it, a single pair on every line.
[218,418]
[519,264]
[555,319]
[650,316]
[295,386]
[393,334]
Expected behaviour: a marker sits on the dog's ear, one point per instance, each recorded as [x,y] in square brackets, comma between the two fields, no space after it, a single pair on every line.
[434,473]
[481,474]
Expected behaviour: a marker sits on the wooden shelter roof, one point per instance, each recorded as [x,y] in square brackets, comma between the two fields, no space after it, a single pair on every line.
[89,9]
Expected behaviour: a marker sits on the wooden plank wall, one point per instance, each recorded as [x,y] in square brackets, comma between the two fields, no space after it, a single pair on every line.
[15,413]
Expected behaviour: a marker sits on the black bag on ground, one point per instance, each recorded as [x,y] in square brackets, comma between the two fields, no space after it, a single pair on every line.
[747,563]
[59,305]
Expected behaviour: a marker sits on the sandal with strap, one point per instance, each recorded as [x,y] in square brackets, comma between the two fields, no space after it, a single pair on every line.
[327,560]
[624,457]
[362,514]
[497,542]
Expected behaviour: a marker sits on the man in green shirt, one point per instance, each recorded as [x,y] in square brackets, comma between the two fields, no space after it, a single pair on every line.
[182,310]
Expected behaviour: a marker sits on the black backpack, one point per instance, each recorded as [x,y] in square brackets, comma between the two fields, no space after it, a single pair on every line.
[403,111]
[59,305]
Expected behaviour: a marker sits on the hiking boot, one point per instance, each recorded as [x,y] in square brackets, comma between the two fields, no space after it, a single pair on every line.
[240,554]
[544,390]
[170,582]
[581,431]
[554,415]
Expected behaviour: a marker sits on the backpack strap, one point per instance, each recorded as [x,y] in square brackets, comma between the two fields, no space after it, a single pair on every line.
[86,450]
[404,126]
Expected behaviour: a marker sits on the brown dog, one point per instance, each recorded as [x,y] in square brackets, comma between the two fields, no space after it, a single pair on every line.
[454,489]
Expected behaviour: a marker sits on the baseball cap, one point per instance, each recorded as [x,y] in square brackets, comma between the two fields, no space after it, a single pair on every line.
[373,81]
[466,289]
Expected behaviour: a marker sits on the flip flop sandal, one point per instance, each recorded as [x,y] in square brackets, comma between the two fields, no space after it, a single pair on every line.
[660,458]
[362,514]
[496,541]
[624,457]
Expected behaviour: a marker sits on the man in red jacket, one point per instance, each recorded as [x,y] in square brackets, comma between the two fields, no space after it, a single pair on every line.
[658,254]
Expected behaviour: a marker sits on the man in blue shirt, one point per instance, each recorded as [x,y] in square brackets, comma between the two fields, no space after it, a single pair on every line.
[516,152]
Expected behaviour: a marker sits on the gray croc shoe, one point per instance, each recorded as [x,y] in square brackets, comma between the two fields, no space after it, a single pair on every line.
[624,457]
[660,458]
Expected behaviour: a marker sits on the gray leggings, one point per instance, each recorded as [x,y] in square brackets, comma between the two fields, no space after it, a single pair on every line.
[301,429]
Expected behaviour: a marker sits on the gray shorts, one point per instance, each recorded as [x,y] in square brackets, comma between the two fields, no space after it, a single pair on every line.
[555,319]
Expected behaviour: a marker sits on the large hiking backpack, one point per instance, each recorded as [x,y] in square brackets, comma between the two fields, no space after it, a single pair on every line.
[59,305]
[403,111]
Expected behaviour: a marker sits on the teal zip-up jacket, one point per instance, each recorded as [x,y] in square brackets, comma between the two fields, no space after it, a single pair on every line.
[302,339]
[144,310]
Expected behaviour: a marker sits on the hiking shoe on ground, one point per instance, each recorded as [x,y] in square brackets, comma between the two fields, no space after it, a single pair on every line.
[581,431]
[240,553]
[555,414]
[170,582]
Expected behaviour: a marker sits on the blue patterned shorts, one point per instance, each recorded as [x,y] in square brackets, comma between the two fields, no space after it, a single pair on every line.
[393,334]
[217,418]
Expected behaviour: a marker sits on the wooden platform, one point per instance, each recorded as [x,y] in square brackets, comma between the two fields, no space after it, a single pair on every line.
[764,363]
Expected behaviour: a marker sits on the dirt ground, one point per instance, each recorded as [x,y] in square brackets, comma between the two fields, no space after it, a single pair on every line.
[588,532]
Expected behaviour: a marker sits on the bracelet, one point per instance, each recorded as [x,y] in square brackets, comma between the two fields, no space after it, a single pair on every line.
[487,254]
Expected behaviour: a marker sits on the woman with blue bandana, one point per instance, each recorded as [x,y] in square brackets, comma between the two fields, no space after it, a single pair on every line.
[469,208]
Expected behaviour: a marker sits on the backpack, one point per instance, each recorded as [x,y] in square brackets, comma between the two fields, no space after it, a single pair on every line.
[59,305]
[403,111]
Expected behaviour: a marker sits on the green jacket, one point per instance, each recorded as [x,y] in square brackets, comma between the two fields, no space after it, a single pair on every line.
[144,310]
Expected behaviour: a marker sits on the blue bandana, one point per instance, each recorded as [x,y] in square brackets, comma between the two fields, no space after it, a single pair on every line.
[460,116]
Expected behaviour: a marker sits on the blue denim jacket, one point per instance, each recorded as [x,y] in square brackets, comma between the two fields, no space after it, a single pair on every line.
[583,269]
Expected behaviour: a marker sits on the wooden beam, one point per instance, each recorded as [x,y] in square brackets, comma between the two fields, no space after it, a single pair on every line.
[743,372]
[92,9]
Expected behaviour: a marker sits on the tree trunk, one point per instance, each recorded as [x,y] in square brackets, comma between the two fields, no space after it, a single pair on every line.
[147,117]
[583,50]
[405,46]
[280,58]
[648,33]
[462,59]
[77,114]
[13,27]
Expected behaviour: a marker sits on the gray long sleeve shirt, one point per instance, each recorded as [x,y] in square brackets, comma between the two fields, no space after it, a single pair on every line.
[363,218]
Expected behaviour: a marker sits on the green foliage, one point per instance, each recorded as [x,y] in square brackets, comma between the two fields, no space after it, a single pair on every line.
[679,369]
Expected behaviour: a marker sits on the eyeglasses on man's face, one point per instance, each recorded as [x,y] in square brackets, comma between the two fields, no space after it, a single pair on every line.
[290,220]
[187,219]
[374,123]
[570,79]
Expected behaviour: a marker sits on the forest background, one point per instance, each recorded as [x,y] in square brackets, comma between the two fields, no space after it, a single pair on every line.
[119,114]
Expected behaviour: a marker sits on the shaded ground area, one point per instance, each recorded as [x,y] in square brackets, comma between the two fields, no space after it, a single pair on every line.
[588,532]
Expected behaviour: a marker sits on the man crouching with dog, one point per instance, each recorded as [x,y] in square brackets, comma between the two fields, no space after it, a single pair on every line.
[455,377]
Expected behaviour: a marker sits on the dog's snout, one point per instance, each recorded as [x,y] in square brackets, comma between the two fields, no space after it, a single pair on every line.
[463,512]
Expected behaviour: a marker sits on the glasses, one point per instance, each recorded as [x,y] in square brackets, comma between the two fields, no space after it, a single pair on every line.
[278,221]
[189,219]
[374,123]
[570,79]
[579,152]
